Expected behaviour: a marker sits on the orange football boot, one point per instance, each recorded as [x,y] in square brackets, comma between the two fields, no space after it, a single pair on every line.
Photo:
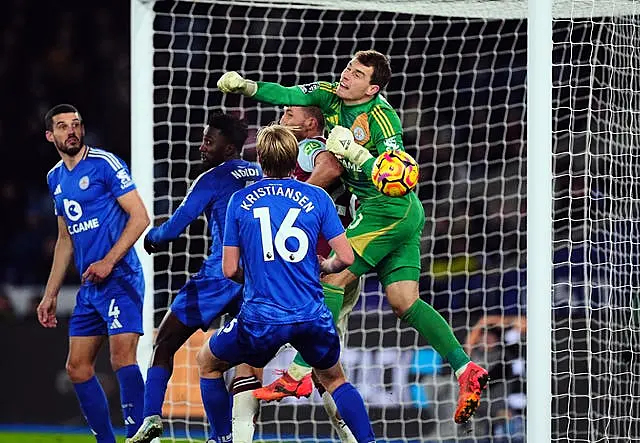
[472,382]
[285,386]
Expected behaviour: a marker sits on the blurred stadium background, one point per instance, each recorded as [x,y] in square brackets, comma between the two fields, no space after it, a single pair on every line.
[49,53]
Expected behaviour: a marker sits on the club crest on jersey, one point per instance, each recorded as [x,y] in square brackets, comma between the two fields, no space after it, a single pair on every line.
[359,134]
[360,129]
[83,183]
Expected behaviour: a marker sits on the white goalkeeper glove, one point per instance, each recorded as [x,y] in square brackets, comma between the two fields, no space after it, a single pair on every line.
[341,143]
[232,82]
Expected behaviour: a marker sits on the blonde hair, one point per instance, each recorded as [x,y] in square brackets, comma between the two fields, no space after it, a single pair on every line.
[277,149]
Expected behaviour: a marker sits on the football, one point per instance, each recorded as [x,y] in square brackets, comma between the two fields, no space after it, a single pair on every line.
[395,173]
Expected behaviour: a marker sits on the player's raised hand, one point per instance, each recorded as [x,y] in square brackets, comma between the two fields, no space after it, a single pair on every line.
[342,144]
[47,311]
[232,82]
[97,271]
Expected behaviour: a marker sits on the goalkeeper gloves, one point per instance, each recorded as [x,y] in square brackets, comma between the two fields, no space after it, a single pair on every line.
[341,143]
[232,82]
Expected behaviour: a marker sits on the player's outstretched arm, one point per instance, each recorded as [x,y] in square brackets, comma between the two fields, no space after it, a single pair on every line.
[343,257]
[62,256]
[313,94]
[138,221]
[192,206]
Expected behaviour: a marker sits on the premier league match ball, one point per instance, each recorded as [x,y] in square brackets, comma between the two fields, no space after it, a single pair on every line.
[395,173]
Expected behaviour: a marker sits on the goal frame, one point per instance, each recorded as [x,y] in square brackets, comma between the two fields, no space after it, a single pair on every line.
[141,65]
[539,220]
[539,202]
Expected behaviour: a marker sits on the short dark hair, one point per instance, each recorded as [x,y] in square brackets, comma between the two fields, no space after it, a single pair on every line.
[231,127]
[58,109]
[316,113]
[380,64]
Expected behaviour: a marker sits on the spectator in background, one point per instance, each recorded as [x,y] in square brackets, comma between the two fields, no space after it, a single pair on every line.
[498,342]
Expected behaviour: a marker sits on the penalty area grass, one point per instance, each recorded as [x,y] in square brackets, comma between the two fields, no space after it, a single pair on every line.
[45,437]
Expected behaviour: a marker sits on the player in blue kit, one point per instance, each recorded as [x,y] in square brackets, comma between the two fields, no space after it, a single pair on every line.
[100,217]
[273,227]
[207,294]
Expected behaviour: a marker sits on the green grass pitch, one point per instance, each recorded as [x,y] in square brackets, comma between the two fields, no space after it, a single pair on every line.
[34,437]
[21,437]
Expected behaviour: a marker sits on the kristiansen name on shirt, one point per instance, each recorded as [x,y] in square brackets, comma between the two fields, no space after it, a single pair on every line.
[279,191]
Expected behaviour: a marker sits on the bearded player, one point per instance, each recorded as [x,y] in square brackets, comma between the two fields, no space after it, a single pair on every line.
[100,216]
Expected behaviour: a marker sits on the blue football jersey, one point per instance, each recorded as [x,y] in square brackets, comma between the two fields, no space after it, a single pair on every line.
[87,197]
[209,193]
[276,224]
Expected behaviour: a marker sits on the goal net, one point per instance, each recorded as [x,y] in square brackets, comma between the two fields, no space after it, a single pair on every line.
[459,86]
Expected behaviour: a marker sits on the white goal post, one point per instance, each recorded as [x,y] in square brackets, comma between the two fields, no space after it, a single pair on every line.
[524,118]
[141,142]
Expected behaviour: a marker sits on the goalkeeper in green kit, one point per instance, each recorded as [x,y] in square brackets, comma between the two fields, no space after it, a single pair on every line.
[385,233]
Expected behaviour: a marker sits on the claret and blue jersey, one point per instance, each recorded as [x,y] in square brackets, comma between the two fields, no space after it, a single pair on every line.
[87,197]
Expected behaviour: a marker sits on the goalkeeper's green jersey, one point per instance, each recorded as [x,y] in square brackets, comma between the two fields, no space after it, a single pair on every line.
[375,125]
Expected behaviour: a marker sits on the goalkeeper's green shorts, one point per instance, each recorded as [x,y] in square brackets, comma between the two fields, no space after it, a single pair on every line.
[386,239]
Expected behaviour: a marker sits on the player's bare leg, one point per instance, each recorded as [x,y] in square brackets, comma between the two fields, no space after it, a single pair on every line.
[172,334]
[348,402]
[93,401]
[406,304]
[81,359]
[246,406]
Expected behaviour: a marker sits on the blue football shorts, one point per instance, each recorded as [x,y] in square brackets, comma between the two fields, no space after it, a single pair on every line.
[108,308]
[257,343]
[202,299]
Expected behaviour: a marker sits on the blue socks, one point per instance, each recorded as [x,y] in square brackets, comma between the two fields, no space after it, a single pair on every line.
[95,408]
[351,408]
[215,399]
[155,390]
[131,397]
